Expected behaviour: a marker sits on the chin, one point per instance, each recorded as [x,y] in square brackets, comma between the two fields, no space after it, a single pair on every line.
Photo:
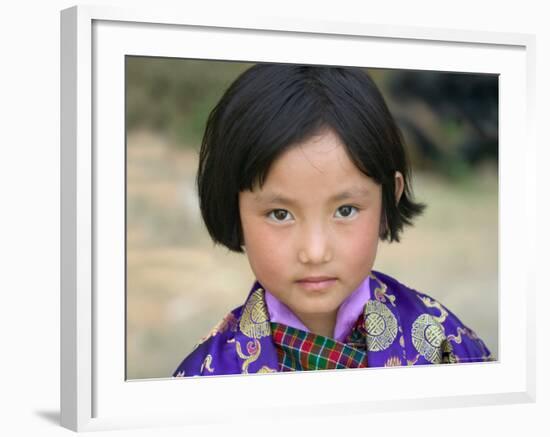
[320,308]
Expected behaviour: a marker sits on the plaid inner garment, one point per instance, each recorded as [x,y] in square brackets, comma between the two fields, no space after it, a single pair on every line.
[300,350]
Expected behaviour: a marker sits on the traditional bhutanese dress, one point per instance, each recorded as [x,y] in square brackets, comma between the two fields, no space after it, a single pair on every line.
[382,323]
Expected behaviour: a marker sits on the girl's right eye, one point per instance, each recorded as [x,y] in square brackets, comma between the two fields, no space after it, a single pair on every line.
[280,215]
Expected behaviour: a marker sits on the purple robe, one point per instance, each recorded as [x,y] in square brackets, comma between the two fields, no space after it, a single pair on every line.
[400,327]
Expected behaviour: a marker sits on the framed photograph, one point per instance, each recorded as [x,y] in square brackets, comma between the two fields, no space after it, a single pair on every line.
[142,282]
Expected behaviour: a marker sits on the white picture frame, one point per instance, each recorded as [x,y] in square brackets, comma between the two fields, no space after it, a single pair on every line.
[94,393]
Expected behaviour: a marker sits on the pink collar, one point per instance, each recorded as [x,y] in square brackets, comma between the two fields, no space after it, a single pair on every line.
[348,312]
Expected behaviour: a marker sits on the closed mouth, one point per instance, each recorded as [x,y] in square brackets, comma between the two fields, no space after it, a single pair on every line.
[317,283]
[317,279]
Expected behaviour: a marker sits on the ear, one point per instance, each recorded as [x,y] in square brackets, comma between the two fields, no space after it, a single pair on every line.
[399,186]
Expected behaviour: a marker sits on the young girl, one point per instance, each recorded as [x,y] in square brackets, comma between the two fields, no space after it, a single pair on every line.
[303,169]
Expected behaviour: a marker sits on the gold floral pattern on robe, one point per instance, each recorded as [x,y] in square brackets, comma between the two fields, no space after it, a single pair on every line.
[432,303]
[381,292]
[207,364]
[427,337]
[381,326]
[254,350]
[255,319]
[393,362]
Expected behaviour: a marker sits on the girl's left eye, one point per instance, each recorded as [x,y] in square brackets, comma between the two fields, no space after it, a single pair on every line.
[346,211]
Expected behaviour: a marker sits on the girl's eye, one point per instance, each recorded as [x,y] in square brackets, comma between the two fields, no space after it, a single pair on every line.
[346,211]
[280,215]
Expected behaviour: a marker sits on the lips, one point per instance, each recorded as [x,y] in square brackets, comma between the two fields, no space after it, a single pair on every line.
[316,279]
[316,283]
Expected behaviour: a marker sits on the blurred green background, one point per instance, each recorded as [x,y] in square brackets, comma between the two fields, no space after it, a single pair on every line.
[179,285]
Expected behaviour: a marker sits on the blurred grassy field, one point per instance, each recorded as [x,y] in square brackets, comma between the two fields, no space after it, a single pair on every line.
[179,285]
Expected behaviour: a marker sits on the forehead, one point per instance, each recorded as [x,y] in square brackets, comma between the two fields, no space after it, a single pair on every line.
[316,168]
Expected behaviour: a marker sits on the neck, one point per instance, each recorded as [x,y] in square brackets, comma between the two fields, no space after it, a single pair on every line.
[320,324]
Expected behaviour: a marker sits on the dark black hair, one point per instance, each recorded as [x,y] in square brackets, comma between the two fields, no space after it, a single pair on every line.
[271,107]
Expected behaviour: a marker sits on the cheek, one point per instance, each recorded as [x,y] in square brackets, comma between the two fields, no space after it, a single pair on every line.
[265,249]
[360,245]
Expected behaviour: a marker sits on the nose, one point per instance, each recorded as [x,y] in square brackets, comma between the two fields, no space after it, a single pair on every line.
[314,245]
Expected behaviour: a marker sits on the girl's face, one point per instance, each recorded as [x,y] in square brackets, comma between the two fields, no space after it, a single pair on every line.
[311,232]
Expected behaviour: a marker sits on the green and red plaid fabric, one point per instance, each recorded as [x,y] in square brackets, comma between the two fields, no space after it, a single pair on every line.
[300,350]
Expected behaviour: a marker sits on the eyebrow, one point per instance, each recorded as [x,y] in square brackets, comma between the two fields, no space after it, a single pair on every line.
[343,195]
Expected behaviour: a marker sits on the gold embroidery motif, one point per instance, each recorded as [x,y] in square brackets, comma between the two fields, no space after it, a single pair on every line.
[413,361]
[266,369]
[393,362]
[229,321]
[427,336]
[380,293]
[431,303]
[448,354]
[253,348]
[207,363]
[458,337]
[471,335]
[381,326]
[254,320]
[462,330]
